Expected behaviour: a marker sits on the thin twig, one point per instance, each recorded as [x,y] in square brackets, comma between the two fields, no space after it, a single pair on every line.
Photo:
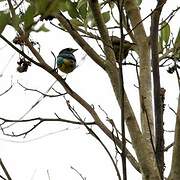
[36,138]
[7,90]
[58,119]
[49,178]
[169,146]
[23,133]
[74,112]
[44,94]
[170,16]
[2,177]
[172,110]
[83,178]
[38,101]
[142,20]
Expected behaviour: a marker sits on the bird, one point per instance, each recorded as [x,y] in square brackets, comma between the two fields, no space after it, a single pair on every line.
[66,61]
[126,47]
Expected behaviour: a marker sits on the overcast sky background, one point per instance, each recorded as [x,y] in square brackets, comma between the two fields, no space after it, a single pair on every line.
[67,145]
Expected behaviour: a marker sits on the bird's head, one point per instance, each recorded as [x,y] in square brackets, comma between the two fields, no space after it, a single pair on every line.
[68,50]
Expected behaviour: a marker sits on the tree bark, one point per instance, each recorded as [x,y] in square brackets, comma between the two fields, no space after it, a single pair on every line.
[175,166]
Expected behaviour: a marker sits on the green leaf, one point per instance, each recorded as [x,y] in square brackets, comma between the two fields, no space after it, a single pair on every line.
[42,28]
[72,11]
[89,18]
[54,6]
[165,32]
[41,6]
[81,3]
[160,45]
[82,7]
[16,21]
[4,20]
[28,17]
[62,5]
[177,46]
[139,2]
[76,23]
[106,16]
[177,41]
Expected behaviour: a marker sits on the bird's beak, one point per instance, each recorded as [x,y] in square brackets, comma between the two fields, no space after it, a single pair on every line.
[74,50]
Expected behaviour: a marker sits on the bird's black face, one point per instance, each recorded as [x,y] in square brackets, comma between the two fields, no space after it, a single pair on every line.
[68,50]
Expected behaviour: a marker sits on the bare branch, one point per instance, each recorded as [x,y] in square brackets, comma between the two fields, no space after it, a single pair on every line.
[83,178]
[44,94]
[170,16]
[36,138]
[94,5]
[5,67]
[169,146]
[113,125]
[7,90]
[12,10]
[23,133]
[172,110]
[5,170]
[2,177]
[49,178]
[141,21]
[38,101]
[18,4]
[19,51]
[75,113]
[175,166]
[58,119]
[123,154]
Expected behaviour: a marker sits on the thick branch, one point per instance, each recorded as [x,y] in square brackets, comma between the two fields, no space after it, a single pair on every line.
[102,30]
[175,166]
[120,8]
[159,133]
[145,89]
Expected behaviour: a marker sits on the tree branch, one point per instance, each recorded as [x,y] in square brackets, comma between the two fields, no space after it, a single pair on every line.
[5,170]
[44,94]
[158,106]
[108,48]
[82,43]
[121,56]
[145,89]
[19,51]
[58,119]
[74,112]
[7,90]
[68,89]
[175,166]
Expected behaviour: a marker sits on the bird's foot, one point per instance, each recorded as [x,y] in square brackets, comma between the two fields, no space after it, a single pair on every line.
[55,70]
[65,77]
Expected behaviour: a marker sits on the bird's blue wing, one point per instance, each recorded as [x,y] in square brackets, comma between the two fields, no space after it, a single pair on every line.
[60,60]
[66,56]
